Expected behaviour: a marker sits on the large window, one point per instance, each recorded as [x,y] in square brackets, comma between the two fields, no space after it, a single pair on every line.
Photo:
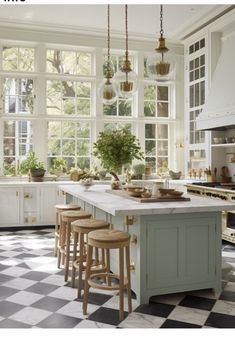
[18,95]
[156,101]
[156,147]
[49,104]
[18,59]
[71,141]
[17,142]
[68,97]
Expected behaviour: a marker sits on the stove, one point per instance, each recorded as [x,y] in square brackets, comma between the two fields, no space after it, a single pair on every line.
[222,191]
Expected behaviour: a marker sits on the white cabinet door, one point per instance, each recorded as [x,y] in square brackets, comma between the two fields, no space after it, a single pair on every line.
[49,197]
[9,206]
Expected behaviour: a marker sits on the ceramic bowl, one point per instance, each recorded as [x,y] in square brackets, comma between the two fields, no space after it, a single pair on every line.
[165,191]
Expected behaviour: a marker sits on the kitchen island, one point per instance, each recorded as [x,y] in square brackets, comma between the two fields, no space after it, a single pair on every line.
[175,246]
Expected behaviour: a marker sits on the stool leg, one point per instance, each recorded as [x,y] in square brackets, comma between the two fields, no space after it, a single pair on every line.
[108,265]
[87,275]
[67,251]
[128,273]
[60,245]
[121,284]
[81,257]
[63,239]
[74,257]
[56,231]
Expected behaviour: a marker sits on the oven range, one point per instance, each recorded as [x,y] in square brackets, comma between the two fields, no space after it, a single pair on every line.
[223,191]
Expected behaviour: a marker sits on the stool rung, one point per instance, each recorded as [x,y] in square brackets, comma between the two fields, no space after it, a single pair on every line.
[105,286]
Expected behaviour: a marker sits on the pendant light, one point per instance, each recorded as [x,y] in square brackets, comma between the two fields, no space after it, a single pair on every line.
[126,78]
[108,92]
[161,64]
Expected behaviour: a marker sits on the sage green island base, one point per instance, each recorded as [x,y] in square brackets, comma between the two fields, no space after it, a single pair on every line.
[175,246]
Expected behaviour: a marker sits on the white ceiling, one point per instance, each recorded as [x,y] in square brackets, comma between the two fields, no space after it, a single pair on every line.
[143,20]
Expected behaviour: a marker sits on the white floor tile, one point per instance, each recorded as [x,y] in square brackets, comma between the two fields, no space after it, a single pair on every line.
[189,315]
[113,303]
[15,271]
[30,315]
[141,321]
[65,293]
[11,262]
[50,268]
[9,253]
[24,298]
[230,286]
[74,309]
[86,324]
[224,307]
[57,280]
[19,283]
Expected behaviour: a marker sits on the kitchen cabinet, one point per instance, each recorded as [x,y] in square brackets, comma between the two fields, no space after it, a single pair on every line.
[29,204]
[9,206]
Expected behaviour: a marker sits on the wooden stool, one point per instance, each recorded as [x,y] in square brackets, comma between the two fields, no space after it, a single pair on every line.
[59,210]
[65,232]
[109,239]
[80,229]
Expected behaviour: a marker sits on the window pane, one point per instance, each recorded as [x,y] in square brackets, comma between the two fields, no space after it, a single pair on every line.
[149,109]
[150,148]
[83,163]
[162,131]
[125,108]
[54,129]
[68,130]
[83,63]
[54,147]
[10,58]
[83,107]
[162,93]
[83,147]
[9,129]
[110,110]
[162,109]
[83,130]
[162,148]
[26,59]
[68,147]
[150,131]
[150,92]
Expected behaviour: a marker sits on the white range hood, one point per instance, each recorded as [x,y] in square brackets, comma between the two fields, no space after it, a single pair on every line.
[219,109]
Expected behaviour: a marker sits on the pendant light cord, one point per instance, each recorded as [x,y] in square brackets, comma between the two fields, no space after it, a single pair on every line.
[126,24]
[108,14]
[161,21]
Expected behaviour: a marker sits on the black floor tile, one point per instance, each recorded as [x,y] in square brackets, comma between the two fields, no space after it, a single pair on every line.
[2,267]
[217,320]
[59,321]
[25,256]
[6,292]
[42,288]
[105,315]
[227,296]
[155,309]
[23,265]
[49,303]
[197,302]
[36,275]
[5,278]
[96,298]
[10,324]
[169,323]
[9,308]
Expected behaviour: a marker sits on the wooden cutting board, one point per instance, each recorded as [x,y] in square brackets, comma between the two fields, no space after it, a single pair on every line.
[124,194]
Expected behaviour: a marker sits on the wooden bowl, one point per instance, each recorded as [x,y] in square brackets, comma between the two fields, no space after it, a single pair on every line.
[176,194]
[135,194]
[165,191]
[136,189]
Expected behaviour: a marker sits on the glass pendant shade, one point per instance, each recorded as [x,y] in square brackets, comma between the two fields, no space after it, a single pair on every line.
[126,83]
[108,92]
[161,63]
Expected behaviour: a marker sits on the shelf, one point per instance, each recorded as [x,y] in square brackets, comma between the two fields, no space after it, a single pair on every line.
[223,145]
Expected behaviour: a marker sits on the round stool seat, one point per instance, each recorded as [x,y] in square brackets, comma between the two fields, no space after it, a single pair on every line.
[104,237]
[67,207]
[75,214]
[88,225]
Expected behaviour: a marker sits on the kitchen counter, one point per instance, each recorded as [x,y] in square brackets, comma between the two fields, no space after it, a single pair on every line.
[175,246]
[116,205]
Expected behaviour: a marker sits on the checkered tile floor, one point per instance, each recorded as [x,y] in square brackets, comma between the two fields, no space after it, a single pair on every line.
[33,294]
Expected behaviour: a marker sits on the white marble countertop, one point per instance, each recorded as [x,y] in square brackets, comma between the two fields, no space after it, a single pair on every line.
[116,205]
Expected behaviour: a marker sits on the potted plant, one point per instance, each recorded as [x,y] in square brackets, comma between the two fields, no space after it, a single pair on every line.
[33,167]
[58,166]
[117,148]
